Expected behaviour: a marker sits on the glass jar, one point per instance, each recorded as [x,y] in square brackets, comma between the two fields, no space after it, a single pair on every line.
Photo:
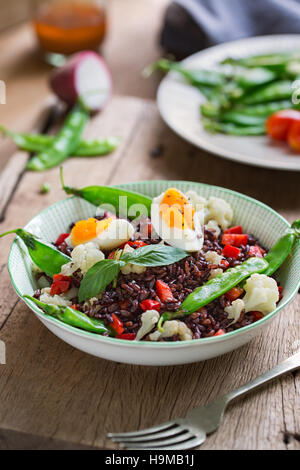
[67,26]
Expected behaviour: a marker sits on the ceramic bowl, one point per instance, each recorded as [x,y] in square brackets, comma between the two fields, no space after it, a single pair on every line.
[255,217]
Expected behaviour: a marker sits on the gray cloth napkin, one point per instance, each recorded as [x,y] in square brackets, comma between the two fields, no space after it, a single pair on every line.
[191,25]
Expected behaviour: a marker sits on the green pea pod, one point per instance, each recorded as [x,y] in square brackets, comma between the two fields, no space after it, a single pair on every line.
[279,90]
[248,78]
[197,78]
[263,109]
[71,317]
[46,257]
[280,251]
[64,144]
[241,119]
[39,142]
[232,129]
[214,288]
[126,203]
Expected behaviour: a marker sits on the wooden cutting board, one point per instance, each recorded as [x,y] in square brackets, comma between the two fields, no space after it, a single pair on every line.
[53,396]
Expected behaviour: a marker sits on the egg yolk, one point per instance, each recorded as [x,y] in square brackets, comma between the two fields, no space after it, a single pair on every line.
[86,230]
[176,210]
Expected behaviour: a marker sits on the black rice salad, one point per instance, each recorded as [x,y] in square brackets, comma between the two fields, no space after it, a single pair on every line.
[124,304]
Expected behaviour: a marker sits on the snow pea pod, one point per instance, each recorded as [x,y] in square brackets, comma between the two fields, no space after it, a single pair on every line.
[279,90]
[196,78]
[64,144]
[71,317]
[248,78]
[241,119]
[280,251]
[126,203]
[39,142]
[275,62]
[47,258]
[232,129]
[263,109]
[214,288]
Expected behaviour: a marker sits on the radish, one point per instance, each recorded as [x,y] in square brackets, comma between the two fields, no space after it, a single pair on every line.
[85,75]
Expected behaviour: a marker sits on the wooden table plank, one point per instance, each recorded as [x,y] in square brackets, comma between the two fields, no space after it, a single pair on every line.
[50,390]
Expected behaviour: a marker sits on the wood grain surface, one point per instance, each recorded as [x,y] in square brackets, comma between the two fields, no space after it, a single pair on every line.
[52,395]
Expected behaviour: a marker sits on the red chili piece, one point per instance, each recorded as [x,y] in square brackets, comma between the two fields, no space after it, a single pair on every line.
[149,304]
[128,336]
[61,284]
[231,251]
[235,229]
[164,292]
[61,238]
[234,239]
[117,324]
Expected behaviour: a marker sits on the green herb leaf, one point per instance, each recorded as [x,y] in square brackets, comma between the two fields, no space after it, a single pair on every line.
[154,255]
[98,277]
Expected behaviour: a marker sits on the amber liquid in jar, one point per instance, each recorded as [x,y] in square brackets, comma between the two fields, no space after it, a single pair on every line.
[70,26]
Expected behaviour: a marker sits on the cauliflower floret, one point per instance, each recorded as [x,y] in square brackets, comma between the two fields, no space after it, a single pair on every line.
[212,257]
[220,211]
[131,268]
[234,310]
[84,256]
[149,319]
[171,328]
[261,294]
[198,202]
[60,300]
[213,225]
[214,273]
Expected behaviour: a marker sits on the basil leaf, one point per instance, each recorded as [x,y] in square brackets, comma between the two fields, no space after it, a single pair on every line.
[155,255]
[98,277]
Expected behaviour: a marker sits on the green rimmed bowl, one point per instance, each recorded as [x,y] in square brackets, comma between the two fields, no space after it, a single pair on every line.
[255,217]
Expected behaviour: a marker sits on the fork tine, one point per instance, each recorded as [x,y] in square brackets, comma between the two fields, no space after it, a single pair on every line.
[142,432]
[165,442]
[150,437]
[190,444]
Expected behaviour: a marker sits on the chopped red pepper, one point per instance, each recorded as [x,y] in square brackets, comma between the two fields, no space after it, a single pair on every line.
[117,324]
[75,306]
[150,304]
[257,315]
[234,293]
[220,332]
[257,251]
[280,289]
[111,254]
[164,292]
[231,251]
[61,284]
[235,229]
[128,336]
[234,239]
[225,263]
[61,238]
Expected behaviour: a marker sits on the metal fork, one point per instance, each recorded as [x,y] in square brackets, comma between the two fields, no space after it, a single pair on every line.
[191,431]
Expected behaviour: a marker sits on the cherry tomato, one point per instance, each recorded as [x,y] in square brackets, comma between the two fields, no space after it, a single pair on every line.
[293,137]
[278,124]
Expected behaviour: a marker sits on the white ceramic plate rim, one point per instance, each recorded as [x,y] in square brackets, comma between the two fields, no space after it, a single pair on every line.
[206,145]
[146,344]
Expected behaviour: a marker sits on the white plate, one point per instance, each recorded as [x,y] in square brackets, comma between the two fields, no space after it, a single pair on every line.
[179,103]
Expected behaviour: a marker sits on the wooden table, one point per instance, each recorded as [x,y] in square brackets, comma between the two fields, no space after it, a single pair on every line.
[53,396]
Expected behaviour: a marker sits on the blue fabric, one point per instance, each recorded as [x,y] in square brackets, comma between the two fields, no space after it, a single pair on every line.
[223,20]
[209,22]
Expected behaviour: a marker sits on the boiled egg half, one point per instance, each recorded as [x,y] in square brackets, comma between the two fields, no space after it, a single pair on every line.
[106,234]
[176,221]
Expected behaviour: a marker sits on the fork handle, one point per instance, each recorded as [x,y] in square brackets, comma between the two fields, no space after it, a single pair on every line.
[288,365]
